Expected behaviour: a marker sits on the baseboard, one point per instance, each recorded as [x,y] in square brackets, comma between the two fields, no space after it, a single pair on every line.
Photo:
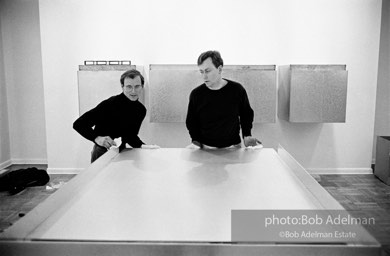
[39,161]
[339,170]
[5,165]
[28,161]
[64,170]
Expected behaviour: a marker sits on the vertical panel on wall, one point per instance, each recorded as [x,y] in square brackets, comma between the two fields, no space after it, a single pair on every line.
[260,84]
[284,92]
[171,85]
[99,82]
[313,93]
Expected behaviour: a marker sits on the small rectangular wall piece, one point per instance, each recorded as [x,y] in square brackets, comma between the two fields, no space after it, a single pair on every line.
[314,93]
[171,85]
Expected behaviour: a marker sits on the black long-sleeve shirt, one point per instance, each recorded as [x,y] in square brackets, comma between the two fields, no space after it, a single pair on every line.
[214,117]
[116,117]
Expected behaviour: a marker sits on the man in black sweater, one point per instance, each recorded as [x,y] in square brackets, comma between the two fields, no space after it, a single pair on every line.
[119,116]
[218,107]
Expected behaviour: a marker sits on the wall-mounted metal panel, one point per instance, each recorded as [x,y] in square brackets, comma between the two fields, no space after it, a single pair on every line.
[313,93]
[99,82]
[171,85]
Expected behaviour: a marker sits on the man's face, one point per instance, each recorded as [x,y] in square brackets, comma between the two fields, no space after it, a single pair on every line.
[132,88]
[211,75]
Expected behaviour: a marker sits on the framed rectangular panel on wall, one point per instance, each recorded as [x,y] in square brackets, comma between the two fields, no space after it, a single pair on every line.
[313,93]
[171,85]
[99,82]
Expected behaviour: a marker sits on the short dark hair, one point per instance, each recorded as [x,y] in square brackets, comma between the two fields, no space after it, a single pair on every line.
[132,73]
[215,58]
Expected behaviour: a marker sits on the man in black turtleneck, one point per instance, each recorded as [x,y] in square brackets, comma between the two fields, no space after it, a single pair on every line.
[218,108]
[115,117]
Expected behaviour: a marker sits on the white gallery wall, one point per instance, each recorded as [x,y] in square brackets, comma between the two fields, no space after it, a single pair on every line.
[175,32]
[253,32]
[22,116]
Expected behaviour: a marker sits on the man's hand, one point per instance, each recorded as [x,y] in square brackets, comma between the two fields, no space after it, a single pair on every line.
[251,141]
[195,145]
[105,141]
[192,146]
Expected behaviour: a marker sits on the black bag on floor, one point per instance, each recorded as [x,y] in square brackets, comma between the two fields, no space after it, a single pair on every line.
[18,180]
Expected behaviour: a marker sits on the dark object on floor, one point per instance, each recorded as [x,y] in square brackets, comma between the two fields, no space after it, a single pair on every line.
[16,181]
